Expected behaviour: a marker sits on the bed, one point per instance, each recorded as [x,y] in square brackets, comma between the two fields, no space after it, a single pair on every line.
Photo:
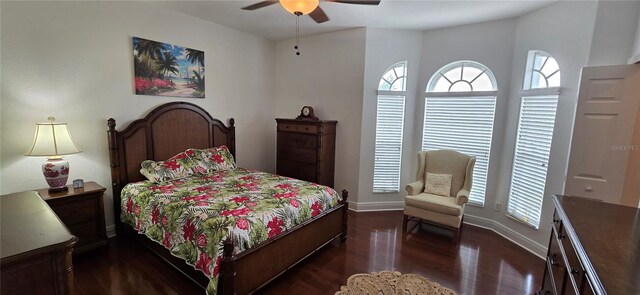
[241,268]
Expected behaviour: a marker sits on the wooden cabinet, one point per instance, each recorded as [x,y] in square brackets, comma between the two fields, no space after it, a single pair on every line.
[593,248]
[306,150]
[36,247]
[82,211]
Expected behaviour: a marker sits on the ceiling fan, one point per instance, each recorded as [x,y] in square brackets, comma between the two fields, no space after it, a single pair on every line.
[310,7]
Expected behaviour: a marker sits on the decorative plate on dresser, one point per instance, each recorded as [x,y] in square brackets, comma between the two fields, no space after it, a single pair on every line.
[306,148]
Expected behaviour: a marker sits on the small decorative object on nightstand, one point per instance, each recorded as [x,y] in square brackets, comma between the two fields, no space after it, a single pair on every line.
[53,140]
[78,183]
[82,211]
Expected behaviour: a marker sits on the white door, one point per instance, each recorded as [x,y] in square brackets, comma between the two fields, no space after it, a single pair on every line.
[602,133]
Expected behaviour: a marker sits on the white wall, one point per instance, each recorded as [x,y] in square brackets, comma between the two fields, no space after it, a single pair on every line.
[614,32]
[73,60]
[564,30]
[328,75]
[635,57]
[385,48]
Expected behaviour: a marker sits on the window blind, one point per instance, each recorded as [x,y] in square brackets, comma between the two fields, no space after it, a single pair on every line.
[531,158]
[463,124]
[388,149]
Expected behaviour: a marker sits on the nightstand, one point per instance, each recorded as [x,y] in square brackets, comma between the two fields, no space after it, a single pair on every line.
[82,211]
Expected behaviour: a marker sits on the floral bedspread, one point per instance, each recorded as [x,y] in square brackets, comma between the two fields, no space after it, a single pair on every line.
[193,216]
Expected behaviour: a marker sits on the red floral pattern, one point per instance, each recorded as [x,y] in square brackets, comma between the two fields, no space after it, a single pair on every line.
[275,227]
[192,216]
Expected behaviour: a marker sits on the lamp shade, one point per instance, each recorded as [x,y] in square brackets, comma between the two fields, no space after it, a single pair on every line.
[300,6]
[52,139]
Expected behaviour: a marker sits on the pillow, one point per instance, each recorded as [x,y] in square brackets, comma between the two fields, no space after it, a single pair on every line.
[173,168]
[213,159]
[437,184]
[189,162]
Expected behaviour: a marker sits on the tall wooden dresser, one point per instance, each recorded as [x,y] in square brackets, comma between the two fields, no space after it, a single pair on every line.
[594,248]
[306,150]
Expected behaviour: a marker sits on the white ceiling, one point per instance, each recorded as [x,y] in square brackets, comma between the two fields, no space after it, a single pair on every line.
[273,22]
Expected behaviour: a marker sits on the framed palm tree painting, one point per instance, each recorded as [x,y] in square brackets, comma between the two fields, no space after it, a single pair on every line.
[163,69]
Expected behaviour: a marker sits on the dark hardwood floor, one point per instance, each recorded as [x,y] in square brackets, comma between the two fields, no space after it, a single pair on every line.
[483,263]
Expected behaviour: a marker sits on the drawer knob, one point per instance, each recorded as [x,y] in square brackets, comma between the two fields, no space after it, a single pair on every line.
[556,220]
[554,260]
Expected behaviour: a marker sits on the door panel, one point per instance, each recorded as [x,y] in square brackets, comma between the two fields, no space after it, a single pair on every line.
[602,134]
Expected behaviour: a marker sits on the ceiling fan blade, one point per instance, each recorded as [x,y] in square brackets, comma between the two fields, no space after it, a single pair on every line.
[260,5]
[318,15]
[362,2]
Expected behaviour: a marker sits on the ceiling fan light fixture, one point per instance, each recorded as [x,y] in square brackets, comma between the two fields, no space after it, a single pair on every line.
[301,7]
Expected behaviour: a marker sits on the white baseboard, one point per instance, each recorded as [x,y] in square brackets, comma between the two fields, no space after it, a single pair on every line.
[508,233]
[499,228]
[376,206]
[111,231]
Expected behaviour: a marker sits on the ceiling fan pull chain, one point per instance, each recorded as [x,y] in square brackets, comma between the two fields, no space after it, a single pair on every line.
[297,33]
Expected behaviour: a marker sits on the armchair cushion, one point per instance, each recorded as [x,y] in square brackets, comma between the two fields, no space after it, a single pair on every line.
[415,188]
[445,205]
[437,184]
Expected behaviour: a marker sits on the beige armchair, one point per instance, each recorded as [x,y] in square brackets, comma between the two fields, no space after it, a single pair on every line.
[446,209]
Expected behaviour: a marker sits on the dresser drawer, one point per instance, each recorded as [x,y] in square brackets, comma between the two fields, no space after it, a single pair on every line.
[298,154]
[574,268]
[287,127]
[557,221]
[298,170]
[75,210]
[299,140]
[556,264]
[308,129]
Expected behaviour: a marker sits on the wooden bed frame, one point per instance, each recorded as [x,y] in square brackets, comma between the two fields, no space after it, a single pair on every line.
[174,127]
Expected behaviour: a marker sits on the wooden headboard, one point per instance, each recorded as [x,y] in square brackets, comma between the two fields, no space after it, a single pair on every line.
[166,131]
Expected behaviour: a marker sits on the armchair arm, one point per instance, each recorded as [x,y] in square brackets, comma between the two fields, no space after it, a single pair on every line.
[415,188]
[462,197]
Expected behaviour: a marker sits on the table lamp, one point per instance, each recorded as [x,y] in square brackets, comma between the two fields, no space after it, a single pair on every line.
[53,140]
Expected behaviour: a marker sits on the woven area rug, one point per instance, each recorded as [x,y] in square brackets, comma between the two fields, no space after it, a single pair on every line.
[391,283]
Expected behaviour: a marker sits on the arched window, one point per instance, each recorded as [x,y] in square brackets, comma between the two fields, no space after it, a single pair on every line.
[459,110]
[542,71]
[538,105]
[462,76]
[389,126]
[394,78]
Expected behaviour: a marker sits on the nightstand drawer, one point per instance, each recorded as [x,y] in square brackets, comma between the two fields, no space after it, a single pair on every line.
[76,210]
[85,231]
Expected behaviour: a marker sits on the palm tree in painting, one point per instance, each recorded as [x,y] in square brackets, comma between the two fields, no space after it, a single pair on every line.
[196,56]
[198,81]
[150,48]
[167,63]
